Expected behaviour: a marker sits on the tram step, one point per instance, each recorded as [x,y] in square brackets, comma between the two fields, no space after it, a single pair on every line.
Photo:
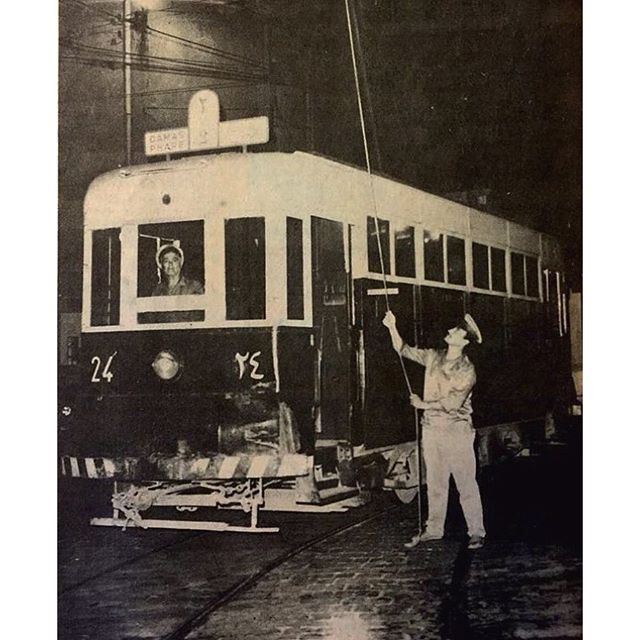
[326,484]
[327,496]
[285,500]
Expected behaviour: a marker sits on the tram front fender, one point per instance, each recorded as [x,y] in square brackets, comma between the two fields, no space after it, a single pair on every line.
[215,467]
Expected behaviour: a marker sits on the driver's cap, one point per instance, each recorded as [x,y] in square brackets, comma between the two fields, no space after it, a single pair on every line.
[473,331]
[164,249]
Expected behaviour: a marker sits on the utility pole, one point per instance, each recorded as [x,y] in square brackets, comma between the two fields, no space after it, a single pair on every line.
[126,68]
[266,45]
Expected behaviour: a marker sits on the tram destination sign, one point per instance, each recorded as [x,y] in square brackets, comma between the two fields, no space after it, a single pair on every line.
[205,131]
[166,141]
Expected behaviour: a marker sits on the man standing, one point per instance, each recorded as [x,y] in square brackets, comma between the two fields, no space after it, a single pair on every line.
[447,429]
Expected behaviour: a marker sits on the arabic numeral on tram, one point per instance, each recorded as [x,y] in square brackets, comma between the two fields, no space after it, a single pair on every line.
[106,372]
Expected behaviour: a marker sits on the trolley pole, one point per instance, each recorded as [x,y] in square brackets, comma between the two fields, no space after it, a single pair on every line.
[126,69]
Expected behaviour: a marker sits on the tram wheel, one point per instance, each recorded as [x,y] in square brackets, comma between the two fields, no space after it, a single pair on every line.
[406,495]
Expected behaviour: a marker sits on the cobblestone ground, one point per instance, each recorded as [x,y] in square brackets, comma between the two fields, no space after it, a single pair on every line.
[139,584]
[361,584]
[364,585]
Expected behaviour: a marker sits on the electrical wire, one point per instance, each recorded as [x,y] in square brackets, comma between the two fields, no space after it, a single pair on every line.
[155,68]
[144,61]
[208,48]
[95,9]
[185,41]
[68,43]
[159,92]
[200,50]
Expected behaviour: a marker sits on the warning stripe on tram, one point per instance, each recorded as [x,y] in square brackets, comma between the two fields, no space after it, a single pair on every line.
[218,467]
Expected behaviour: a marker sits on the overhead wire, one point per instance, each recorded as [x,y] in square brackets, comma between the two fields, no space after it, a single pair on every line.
[174,64]
[157,92]
[69,43]
[207,48]
[184,41]
[114,64]
[93,8]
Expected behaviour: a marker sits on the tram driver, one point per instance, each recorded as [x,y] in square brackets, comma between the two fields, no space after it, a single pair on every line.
[170,260]
[447,430]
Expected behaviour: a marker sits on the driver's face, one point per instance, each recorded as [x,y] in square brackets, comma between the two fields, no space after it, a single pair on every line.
[171,263]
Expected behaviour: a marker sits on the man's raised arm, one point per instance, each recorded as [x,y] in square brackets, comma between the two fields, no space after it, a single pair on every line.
[389,321]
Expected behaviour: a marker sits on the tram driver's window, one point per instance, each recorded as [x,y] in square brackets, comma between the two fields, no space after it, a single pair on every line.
[374,232]
[295,270]
[245,279]
[171,258]
[105,277]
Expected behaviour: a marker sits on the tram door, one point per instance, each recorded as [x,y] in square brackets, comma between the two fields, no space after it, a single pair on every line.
[331,323]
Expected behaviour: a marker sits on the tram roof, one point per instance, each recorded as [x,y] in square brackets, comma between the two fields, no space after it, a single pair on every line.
[238,180]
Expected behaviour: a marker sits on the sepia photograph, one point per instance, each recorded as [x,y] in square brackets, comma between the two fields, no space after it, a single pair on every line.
[319,319]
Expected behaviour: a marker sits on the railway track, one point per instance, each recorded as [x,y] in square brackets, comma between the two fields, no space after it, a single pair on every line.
[128,562]
[194,621]
[184,581]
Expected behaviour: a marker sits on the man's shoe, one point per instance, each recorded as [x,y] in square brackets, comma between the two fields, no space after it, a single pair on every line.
[421,537]
[476,542]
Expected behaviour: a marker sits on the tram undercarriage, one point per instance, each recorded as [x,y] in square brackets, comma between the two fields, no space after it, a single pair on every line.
[248,483]
[337,479]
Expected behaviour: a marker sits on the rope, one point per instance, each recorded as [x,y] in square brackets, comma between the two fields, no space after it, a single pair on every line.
[371,183]
[380,255]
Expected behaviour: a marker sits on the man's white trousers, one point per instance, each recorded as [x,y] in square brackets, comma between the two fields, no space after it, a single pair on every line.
[448,450]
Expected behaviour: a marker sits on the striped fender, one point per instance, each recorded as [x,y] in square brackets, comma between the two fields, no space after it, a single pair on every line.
[218,467]
[97,467]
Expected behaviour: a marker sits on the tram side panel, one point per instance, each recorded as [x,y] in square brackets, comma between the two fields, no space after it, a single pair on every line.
[387,417]
[441,309]
[494,378]
[520,371]
[517,368]
[297,367]
[529,363]
[511,364]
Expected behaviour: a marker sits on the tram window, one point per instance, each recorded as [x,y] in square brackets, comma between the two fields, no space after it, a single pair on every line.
[295,280]
[455,261]
[498,274]
[480,265]
[372,245]
[517,273]
[245,278]
[533,288]
[405,252]
[105,277]
[155,280]
[433,257]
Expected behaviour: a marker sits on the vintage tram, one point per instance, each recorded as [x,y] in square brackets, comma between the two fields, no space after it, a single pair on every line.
[275,384]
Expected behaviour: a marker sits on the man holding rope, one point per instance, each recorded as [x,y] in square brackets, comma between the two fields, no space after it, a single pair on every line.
[447,429]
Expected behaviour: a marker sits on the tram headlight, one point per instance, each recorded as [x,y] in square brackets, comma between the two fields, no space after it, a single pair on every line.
[167,365]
